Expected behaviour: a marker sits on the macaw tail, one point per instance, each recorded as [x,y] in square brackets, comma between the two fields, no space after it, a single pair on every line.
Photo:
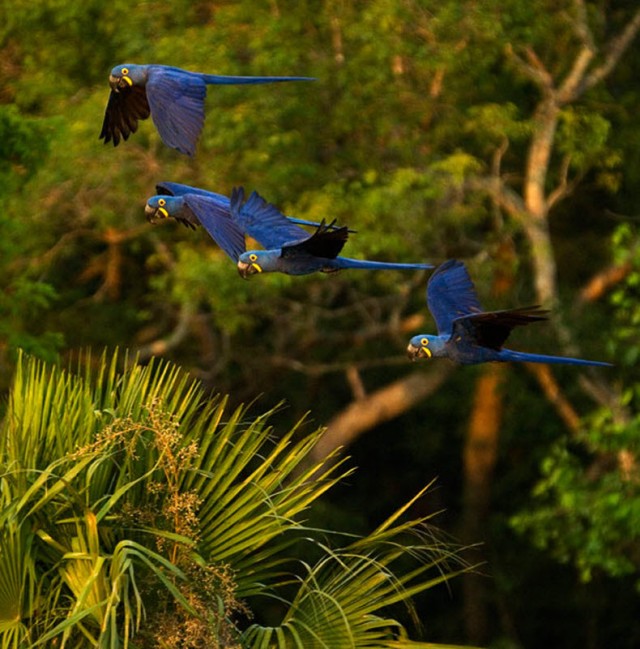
[221,79]
[365,264]
[510,355]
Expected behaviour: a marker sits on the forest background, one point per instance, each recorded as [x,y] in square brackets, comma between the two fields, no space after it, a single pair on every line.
[506,134]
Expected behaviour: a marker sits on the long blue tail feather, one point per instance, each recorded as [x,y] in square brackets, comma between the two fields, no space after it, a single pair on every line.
[365,264]
[510,355]
[221,79]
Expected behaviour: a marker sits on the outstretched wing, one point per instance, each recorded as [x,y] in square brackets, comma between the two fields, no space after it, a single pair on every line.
[217,221]
[492,328]
[325,242]
[176,99]
[123,111]
[263,221]
[451,295]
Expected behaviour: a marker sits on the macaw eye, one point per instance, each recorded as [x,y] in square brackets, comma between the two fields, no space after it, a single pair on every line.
[162,202]
[424,342]
[125,71]
[253,257]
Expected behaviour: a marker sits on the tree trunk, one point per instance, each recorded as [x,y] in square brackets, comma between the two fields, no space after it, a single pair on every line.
[480,454]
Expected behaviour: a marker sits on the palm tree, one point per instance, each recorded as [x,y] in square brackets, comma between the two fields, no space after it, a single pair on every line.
[138,512]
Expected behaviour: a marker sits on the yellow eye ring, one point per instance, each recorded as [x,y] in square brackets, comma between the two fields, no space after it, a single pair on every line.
[424,342]
[253,257]
[162,202]
[125,71]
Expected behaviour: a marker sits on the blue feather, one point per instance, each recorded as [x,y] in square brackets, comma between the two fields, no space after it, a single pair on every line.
[173,97]
[469,335]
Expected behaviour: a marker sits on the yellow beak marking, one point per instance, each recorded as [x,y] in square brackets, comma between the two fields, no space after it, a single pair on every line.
[128,80]
[165,214]
[256,266]
[427,351]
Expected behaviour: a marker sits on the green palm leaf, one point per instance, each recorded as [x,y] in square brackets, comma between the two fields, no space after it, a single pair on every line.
[134,509]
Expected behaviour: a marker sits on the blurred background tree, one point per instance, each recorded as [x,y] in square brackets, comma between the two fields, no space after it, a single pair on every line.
[503,133]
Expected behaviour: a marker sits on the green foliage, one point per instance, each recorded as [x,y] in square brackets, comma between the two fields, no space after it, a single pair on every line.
[134,510]
[21,304]
[586,505]
[625,298]
[25,144]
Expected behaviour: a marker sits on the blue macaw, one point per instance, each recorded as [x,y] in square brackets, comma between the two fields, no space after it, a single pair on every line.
[466,333]
[286,250]
[173,97]
[193,218]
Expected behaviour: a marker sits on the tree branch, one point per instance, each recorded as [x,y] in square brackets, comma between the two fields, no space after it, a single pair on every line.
[571,87]
[552,391]
[509,200]
[532,68]
[564,187]
[615,49]
[179,333]
[603,281]
[377,407]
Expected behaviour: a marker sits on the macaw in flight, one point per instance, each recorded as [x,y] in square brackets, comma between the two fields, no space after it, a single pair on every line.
[173,97]
[469,335]
[289,248]
[190,216]
[286,252]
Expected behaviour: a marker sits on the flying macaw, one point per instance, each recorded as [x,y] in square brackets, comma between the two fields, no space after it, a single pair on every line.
[173,97]
[198,214]
[466,333]
[286,251]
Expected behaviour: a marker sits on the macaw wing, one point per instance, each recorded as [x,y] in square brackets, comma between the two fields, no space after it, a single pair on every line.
[324,242]
[264,221]
[176,99]
[178,189]
[451,295]
[492,328]
[122,113]
[217,221]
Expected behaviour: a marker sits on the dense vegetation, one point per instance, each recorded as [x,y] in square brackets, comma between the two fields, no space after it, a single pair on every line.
[503,133]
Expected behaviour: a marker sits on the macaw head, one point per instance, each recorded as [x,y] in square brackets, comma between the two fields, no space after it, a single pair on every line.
[162,207]
[127,75]
[425,346]
[255,261]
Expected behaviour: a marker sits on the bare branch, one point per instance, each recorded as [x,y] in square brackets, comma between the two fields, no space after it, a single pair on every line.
[554,395]
[564,187]
[319,369]
[179,333]
[615,49]
[378,407]
[355,382]
[532,68]
[581,25]
[603,281]
[509,200]
[571,87]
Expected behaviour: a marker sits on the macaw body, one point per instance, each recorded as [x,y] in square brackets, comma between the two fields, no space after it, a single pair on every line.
[174,98]
[296,260]
[212,211]
[178,189]
[288,252]
[467,334]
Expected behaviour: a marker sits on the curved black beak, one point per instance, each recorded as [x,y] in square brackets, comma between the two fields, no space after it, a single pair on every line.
[154,214]
[246,270]
[413,352]
[119,83]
